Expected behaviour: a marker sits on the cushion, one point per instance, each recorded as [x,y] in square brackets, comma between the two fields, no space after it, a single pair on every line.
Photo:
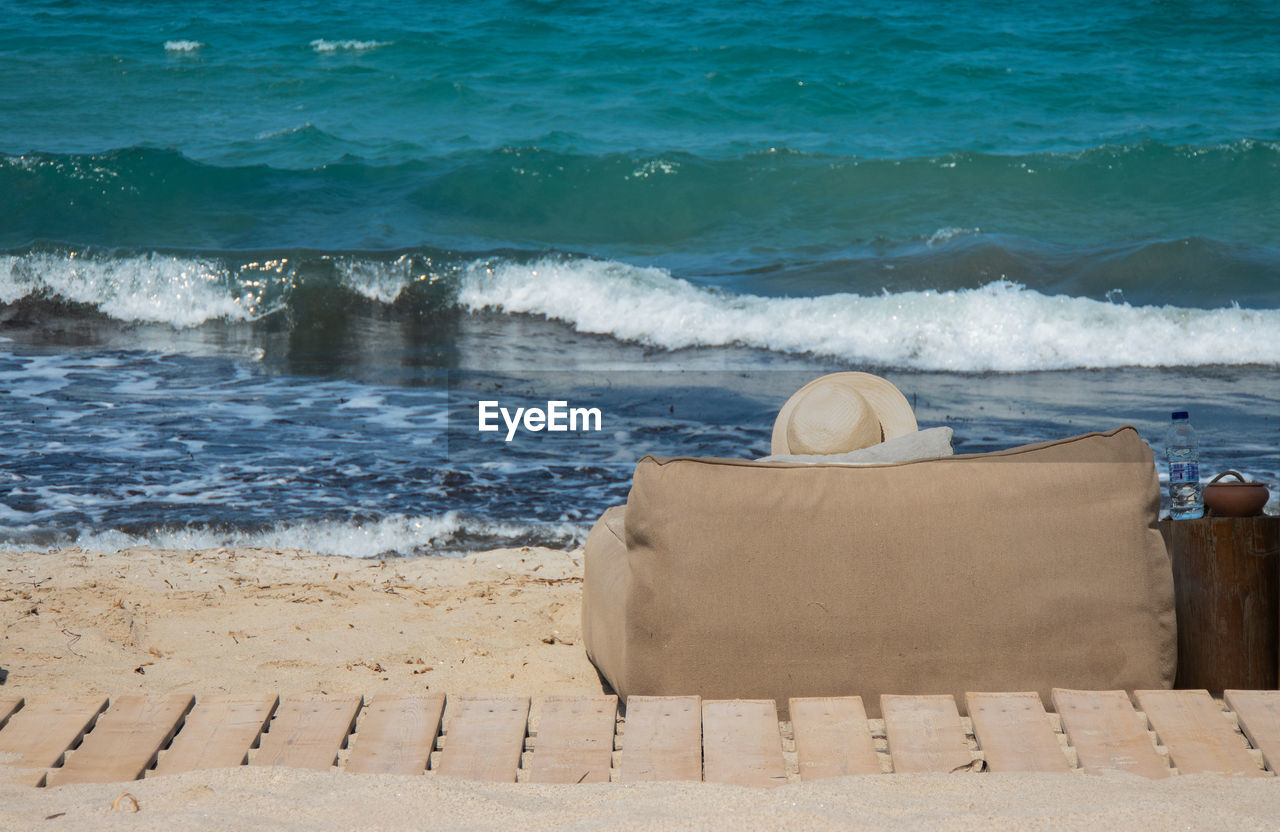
[1025,569]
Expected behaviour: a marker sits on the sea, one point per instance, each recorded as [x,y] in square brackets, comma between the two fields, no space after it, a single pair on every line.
[261,262]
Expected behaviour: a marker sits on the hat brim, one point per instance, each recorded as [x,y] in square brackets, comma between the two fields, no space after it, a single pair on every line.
[888,403]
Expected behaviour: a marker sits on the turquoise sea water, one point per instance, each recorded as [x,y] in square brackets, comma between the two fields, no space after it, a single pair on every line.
[362,200]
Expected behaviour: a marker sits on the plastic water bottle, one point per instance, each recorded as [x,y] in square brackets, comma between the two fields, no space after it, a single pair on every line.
[1186,497]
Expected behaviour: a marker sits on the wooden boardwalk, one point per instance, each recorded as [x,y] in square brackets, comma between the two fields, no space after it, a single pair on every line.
[53,740]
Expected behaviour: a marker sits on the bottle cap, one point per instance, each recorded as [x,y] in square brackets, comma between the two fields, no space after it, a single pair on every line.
[1179,414]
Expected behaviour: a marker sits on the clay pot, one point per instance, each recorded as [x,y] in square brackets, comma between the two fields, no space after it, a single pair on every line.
[1235,499]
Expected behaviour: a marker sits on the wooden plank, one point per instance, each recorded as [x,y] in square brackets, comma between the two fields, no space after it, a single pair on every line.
[1259,715]
[218,733]
[833,738]
[575,740]
[8,705]
[1196,732]
[484,737]
[741,745]
[1014,732]
[662,739]
[126,740]
[925,733]
[1108,733]
[395,734]
[308,732]
[39,736]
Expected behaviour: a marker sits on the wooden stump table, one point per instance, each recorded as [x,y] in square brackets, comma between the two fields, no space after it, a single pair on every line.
[1227,589]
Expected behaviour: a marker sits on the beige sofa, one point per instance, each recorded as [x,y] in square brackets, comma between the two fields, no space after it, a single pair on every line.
[1026,569]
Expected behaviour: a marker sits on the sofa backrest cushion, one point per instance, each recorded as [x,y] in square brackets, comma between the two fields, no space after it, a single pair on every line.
[1025,569]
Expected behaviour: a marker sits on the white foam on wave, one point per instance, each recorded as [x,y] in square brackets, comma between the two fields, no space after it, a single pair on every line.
[1001,327]
[377,281]
[285,131]
[182,45]
[183,292]
[322,45]
[152,288]
[390,535]
[946,235]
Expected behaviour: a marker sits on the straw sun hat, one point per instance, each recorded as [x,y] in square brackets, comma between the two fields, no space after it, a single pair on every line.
[841,412]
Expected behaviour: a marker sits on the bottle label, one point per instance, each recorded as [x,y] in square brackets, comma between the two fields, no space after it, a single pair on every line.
[1184,472]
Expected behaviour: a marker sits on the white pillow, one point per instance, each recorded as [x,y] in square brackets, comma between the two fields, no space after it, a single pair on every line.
[922,444]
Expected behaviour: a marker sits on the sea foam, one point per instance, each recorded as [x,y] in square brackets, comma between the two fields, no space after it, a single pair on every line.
[449,532]
[322,45]
[152,288]
[182,45]
[1001,326]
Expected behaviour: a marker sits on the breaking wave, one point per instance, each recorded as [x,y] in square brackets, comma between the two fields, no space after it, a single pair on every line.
[1000,325]
[395,535]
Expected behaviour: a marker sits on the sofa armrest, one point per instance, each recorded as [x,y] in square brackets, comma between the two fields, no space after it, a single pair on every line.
[604,594]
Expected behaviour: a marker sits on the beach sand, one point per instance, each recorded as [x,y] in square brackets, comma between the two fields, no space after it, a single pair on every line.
[245,621]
